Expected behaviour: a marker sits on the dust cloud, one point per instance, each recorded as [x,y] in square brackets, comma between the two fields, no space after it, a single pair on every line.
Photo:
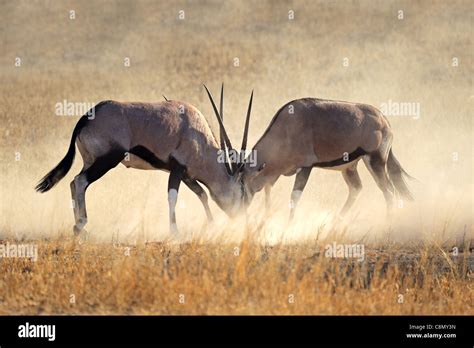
[365,51]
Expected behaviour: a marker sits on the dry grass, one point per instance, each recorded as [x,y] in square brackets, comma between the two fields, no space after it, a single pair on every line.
[245,278]
[82,61]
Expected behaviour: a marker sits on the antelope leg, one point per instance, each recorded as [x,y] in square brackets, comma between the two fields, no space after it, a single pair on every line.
[351,176]
[199,191]
[86,177]
[377,167]
[268,189]
[300,182]
[78,192]
[176,175]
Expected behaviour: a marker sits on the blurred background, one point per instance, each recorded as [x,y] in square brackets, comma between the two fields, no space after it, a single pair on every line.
[361,51]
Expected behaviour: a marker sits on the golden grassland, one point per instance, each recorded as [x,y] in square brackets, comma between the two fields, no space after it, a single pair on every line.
[246,278]
[128,265]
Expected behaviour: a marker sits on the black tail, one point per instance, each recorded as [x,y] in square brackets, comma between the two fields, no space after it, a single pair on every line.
[60,171]
[396,173]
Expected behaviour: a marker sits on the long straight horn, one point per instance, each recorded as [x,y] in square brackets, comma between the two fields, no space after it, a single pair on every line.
[246,128]
[222,128]
[221,132]
[221,124]
[221,113]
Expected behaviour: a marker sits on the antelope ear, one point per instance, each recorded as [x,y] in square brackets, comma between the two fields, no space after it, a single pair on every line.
[262,166]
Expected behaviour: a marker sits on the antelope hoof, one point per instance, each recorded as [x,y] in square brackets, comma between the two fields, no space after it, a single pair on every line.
[79,227]
[78,230]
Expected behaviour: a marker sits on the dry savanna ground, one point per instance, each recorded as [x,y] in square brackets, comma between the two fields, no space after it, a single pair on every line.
[244,278]
[419,262]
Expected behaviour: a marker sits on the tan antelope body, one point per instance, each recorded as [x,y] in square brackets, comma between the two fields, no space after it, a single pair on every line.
[307,133]
[175,137]
[171,135]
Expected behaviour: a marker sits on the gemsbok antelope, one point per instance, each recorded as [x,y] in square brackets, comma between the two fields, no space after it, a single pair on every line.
[171,135]
[308,132]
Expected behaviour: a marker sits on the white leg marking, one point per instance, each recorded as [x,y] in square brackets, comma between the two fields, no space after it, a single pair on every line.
[172,199]
[295,196]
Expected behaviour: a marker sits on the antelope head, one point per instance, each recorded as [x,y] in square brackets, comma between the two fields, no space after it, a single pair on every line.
[233,159]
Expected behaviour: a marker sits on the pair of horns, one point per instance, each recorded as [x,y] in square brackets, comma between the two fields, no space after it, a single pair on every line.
[224,138]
